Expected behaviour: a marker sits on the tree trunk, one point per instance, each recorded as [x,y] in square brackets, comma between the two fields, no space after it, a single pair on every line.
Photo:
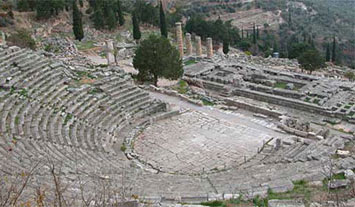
[155,80]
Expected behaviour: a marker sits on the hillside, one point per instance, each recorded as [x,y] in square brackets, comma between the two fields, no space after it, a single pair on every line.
[288,20]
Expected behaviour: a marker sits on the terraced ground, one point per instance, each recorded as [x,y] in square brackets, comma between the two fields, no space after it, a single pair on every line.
[71,123]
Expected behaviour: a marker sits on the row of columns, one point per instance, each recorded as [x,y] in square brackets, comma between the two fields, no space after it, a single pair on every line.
[180,43]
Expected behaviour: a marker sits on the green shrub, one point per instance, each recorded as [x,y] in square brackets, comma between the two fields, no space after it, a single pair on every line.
[22,38]
[212,203]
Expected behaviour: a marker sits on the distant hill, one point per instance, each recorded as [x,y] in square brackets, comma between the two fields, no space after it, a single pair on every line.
[318,20]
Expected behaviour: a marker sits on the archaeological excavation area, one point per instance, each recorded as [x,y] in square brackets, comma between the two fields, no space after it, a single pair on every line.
[155,147]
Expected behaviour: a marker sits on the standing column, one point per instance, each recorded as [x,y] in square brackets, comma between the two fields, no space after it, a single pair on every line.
[198,47]
[209,48]
[109,52]
[3,39]
[188,44]
[179,39]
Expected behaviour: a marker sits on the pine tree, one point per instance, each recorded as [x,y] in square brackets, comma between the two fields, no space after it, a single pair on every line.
[77,23]
[157,58]
[121,19]
[334,51]
[327,54]
[163,27]
[136,31]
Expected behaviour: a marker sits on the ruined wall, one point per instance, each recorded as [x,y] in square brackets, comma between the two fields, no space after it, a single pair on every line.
[252,108]
[291,103]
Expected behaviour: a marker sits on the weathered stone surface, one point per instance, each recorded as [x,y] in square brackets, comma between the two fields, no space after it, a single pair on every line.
[335,184]
[349,174]
[285,203]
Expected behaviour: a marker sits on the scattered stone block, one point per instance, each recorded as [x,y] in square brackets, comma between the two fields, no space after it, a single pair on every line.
[285,203]
[290,86]
[336,184]
[349,174]
[260,115]
[343,153]
[316,184]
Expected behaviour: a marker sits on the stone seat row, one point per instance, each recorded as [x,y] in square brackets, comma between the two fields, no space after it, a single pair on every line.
[20,155]
[301,152]
[50,102]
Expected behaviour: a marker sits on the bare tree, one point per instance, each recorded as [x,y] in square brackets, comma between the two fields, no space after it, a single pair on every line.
[13,186]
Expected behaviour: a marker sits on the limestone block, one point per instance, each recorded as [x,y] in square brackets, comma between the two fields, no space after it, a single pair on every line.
[343,153]
[301,133]
[285,203]
[290,86]
[349,174]
[335,184]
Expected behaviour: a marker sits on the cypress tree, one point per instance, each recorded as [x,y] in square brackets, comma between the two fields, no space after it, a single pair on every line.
[136,31]
[77,23]
[257,32]
[121,19]
[98,17]
[254,34]
[163,27]
[327,54]
[275,47]
[242,33]
[111,19]
[225,46]
[81,3]
[334,50]
[23,5]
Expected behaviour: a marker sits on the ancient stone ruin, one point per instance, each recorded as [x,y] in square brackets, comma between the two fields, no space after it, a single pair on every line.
[324,96]
[179,37]
[110,52]
[209,48]
[198,46]
[188,44]
[97,126]
[3,39]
